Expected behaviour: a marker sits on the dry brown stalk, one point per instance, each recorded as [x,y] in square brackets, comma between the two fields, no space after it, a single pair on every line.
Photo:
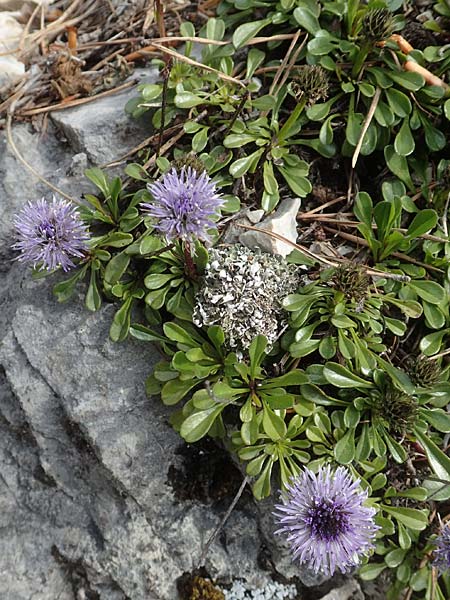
[195,63]
[362,242]
[77,102]
[323,259]
[366,125]
[431,79]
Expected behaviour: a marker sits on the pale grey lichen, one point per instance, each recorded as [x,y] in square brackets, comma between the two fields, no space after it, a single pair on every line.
[271,591]
[242,292]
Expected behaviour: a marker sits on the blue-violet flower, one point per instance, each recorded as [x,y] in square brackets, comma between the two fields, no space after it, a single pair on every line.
[326,524]
[184,204]
[442,551]
[50,234]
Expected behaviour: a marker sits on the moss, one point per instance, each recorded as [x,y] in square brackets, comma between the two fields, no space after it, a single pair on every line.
[198,586]
[204,589]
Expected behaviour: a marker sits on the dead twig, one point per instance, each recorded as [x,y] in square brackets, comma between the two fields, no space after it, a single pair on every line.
[194,63]
[329,218]
[362,242]
[223,521]
[323,259]
[77,102]
[366,125]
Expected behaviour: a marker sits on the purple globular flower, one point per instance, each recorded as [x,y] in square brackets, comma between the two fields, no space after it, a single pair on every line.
[50,234]
[185,204]
[442,551]
[326,524]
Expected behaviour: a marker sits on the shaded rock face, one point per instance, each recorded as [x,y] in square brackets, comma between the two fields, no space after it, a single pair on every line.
[99,497]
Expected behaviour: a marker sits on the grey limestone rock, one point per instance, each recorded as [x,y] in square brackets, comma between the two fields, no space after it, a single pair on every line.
[104,132]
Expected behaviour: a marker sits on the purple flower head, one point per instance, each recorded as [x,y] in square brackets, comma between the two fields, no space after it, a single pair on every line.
[50,234]
[326,524]
[442,551]
[184,205]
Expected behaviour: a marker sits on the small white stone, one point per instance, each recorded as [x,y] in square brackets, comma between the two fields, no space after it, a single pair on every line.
[283,222]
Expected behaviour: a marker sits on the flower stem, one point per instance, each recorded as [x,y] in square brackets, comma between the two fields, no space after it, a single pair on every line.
[189,265]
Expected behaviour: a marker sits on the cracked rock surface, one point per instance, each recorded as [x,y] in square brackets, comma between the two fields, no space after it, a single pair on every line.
[99,497]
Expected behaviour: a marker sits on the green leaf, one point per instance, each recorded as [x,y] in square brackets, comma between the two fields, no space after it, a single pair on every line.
[294,377]
[199,423]
[256,353]
[384,114]
[320,45]
[270,183]
[117,239]
[414,519]
[434,317]
[430,291]
[431,343]
[447,109]
[327,347]
[250,431]
[363,208]
[354,127]
[313,393]
[404,143]
[351,416]
[98,178]
[399,377]
[240,166]
[237,140]
[423,222]
[273,425]
[434,138]
[344,449]
[187,100]
[255,465]
[254,58]
[341,377]
[301,186]
[419,579]
[397,451]
[155,281]
[93,298]
[371,571]
[176,333]
[307,19]
[143,333]
[150,91]
[247,31]
[394,558]
[404,538]
[200,140]
[152,386]
[261,489]
[418,493]
[65,289]
[135,171]
[216,335]
[407,79]
[438,418]
[439,461]
[399,166]
[399,102]
[175,390]
[120,325]
[363,447]
[215,29]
